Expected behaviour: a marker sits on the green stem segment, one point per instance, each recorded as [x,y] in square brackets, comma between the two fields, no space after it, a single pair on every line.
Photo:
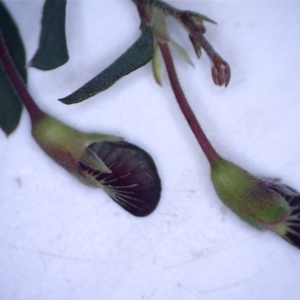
[203,141]
[16,81]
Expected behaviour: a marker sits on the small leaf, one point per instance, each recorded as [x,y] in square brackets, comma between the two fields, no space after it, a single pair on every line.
[199,17]
[196,45]
[140,53]
[181,52]
[10,105]
[157,65]
[133,182]
[52,51]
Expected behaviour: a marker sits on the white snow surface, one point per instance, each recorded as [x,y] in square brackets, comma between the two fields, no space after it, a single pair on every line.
[61,240]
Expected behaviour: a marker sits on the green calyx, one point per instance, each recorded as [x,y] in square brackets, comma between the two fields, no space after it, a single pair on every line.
[250,198]
[68,146]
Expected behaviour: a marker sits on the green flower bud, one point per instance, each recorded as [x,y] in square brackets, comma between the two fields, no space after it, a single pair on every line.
[264,204]
[126,172]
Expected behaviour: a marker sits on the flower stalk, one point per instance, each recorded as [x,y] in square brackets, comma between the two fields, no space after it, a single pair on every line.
[210,153]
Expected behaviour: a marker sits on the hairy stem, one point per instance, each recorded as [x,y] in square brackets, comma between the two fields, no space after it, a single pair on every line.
[17,83]
[203,141]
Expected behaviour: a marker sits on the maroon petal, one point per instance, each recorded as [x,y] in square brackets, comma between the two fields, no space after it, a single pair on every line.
[290,230]
[134,182]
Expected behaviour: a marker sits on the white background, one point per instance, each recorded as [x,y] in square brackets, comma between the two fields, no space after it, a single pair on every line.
[61,240]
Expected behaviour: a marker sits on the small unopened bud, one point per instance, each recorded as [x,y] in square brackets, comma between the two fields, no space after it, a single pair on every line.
[220,71]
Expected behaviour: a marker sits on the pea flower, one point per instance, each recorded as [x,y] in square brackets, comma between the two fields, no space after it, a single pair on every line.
[125,172]
[264,204]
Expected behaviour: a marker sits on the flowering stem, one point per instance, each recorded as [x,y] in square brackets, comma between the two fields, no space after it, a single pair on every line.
[16,81]
[203,141]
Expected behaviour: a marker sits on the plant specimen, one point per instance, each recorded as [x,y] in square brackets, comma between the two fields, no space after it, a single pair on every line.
[263,203]
[126,172]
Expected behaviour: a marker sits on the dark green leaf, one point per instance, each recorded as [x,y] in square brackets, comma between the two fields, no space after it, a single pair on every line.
[10,105]
[133,182]
[52,51]
[136,56]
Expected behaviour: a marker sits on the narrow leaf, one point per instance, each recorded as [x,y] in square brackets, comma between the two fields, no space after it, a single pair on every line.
[10,105]
[181,52]
[157,65]
[196,45]
[52,51]
[199,18]
[136,56]
[134,182]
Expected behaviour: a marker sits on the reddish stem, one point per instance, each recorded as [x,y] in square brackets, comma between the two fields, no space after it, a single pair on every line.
[203,141]
[16,81]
